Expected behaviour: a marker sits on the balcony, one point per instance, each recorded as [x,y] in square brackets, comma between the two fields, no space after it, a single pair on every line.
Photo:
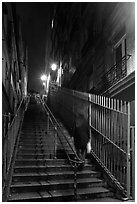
[114,75]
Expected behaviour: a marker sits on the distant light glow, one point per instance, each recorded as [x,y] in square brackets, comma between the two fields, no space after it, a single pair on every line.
[52,23]
[48,80]
[53,67]
[43,77]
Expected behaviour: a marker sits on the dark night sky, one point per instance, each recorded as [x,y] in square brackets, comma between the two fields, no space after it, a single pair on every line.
[35,19]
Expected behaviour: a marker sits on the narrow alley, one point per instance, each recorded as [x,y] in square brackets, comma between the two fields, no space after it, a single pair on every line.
[68,101]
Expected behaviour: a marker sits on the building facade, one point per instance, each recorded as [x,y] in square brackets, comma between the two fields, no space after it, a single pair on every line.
[14,62]
[95,44]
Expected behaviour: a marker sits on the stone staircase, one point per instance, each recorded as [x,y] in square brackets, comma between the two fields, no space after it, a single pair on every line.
[41,175]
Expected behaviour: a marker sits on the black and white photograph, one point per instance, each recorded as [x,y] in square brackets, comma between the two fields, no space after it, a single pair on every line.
[68,101]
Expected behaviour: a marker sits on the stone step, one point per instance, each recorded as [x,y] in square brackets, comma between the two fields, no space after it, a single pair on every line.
[47,161]
[43,150]
[33,132]
[23,162]
[41,156]
[31,176]
[32,146]
[60,195]
[44,142]
[47,168]
[50,185]
[104,199]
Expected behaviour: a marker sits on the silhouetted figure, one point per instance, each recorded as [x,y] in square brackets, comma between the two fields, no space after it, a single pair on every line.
[81,136]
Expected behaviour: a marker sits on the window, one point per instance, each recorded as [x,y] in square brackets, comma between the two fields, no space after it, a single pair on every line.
[119,54]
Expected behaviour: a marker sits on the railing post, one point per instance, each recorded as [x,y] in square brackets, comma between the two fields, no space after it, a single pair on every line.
[89,115]
[128,152]
[47,122]
[55,142]
[75,181]
[8,142]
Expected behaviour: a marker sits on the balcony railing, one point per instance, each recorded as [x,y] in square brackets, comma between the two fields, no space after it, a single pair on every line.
[115,74]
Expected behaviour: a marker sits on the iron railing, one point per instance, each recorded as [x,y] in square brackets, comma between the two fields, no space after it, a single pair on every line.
[111,139]
[113,75]
[75,161]
[110,127]
[9,140]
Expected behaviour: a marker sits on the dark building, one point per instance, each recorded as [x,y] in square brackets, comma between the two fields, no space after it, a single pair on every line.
[14,61]
[95,44]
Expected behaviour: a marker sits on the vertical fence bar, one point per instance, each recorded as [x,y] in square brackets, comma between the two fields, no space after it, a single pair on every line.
[89,104]
[125,124]
[109,128]
[118,141]
[106,117]
[116,160]
[121,126]
[124,164]
[128,152]
[102,115]
[133,160]
[95,113]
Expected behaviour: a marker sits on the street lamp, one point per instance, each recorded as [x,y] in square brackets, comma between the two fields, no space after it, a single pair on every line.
[53,67]
[43,77]
[45,81]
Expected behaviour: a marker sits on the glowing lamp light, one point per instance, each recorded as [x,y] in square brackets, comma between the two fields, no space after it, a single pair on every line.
[44,77]
[53,67]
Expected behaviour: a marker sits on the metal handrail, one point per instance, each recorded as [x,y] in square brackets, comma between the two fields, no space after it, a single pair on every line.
[73,162]
[14,118]
[16,114]
[10,141]
[49,111]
